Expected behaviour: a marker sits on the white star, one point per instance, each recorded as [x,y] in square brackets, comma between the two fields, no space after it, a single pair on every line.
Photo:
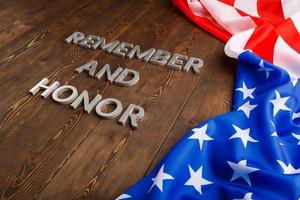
[275,132]
[159,179]
[296,115]
[123,196]
[241,170]
[247,108]
[196,179]
[279,103]
[288,169]
[263,68]
[297,137]
[247,92]
[247,196]
[243,135]
[200,135]
[294,81]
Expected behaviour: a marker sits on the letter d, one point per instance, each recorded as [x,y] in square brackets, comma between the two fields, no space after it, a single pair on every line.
[135,77]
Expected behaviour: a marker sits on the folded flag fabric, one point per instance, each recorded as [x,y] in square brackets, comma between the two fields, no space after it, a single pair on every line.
[252,152]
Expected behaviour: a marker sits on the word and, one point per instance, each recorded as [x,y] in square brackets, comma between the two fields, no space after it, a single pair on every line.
[128,50]
[133,113]
[122,77]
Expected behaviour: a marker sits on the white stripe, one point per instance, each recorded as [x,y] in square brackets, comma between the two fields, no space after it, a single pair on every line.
[236,44]
[296,20]
[290,7]
[228,17]
[247,6]
[287,58]
[197,8]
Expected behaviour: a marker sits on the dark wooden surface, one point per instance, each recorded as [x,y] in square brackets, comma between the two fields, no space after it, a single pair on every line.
[50,151]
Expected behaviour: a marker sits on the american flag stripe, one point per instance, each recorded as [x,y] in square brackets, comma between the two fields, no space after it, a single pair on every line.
[230,19]
[287,57]
[270,14]
[247,6]
[204,22]
[262,42]
[237,44]
[276,34]
[290,7]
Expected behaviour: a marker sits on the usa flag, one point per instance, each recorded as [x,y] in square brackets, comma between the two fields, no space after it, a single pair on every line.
[252,152]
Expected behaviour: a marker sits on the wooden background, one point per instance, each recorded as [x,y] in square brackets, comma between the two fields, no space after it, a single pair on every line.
[50,151]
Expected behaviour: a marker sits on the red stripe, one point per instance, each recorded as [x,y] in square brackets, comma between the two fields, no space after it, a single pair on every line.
[270,11]
[228,2]
[262,42]
[256,20]
[289,34]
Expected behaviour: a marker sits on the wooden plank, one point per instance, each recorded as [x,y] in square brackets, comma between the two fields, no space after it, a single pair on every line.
[41,142]
[19,53]
[27,63]
[23,16]
[45,43]
[65,57]
[107,174]
[54,152]
[11,10]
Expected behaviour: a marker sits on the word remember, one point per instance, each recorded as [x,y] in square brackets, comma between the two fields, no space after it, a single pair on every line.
[128,50]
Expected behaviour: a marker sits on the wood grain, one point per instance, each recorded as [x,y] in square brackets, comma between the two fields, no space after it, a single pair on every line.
[51,151]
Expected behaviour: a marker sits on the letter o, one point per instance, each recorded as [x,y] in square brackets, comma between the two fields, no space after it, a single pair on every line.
[106,102]
[65,88]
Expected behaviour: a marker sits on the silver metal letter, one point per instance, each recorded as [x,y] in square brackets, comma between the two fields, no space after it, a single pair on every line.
[194,63]
[110,115]
[120,80]
[42,85]
[98,43]
[136,52]
[84,98]
[122,49]
[160,57]
[110,46]
[89,42]
[62,89]
[89,67]
[176,61]
[134,113]
[106,69]
[75,37]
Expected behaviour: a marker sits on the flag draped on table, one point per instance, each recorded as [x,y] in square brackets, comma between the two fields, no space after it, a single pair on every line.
[252,152]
